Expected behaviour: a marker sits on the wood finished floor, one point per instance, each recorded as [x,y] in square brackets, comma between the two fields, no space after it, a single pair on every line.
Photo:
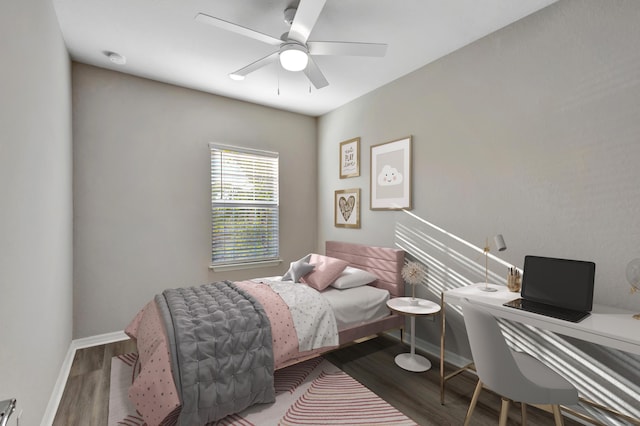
[85,400]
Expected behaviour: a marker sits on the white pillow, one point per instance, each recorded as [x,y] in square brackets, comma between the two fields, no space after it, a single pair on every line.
[353,277]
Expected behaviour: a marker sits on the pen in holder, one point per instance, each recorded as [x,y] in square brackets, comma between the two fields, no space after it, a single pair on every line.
[514,280]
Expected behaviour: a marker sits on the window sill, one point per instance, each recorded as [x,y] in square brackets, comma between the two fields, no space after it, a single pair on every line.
[240,266]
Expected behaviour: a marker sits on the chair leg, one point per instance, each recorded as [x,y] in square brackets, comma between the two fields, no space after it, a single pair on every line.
[524,413]
[472,405]
[557,415]
[504,412]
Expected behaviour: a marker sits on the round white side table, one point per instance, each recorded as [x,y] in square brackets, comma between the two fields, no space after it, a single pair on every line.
[404,306]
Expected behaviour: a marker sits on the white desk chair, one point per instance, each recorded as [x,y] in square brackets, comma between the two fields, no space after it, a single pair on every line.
[514,375]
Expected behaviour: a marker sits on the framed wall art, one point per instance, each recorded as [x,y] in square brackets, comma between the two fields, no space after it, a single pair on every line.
[350,158]
[391,175]
[347,208]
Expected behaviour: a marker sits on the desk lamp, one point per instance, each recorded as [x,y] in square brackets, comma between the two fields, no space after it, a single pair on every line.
[501,246]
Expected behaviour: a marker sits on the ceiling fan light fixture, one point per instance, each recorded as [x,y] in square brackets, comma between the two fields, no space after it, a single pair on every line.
[293,57]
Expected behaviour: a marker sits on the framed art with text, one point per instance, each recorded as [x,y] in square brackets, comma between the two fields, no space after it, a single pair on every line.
[347,208]
[391,175]
[350,158]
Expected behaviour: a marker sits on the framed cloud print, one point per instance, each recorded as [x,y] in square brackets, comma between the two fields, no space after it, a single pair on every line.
[347,208]
[350,158]
[391,175]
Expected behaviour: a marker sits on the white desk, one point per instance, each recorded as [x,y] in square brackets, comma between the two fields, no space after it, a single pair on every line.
[403,306]
[607,326]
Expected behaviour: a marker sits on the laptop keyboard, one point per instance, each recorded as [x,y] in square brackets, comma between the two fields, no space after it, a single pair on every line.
[547,310]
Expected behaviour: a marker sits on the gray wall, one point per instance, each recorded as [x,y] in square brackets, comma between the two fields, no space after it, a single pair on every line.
[35,204]
[142,189]
[532,132]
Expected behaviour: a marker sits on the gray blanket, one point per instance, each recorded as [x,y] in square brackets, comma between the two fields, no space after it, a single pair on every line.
[220,341]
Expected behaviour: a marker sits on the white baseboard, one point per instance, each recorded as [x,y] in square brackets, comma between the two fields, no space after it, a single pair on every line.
[100,339]
[431,349]
[61,382]
[450,357]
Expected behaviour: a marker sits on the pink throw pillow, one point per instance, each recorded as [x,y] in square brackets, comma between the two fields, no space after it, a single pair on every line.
[327,269]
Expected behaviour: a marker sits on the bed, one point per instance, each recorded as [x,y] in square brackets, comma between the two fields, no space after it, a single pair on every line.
[210,351]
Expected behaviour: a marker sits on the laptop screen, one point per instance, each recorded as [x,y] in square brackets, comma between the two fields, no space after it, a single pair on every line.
[559,282]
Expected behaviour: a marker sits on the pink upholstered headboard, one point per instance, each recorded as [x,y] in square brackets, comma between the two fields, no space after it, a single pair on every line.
[385,263]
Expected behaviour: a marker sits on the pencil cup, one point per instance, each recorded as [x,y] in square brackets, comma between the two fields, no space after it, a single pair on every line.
[513,282]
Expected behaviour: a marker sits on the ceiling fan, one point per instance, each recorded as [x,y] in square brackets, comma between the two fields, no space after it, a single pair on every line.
[295,51]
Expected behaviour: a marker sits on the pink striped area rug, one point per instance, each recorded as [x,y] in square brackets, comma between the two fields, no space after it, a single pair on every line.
[314,392]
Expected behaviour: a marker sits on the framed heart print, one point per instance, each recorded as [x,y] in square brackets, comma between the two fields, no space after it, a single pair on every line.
[347,208]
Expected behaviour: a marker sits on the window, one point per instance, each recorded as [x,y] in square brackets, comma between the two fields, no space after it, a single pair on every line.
[244,206]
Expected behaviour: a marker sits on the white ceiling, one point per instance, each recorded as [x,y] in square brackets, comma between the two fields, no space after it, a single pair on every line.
[161,41]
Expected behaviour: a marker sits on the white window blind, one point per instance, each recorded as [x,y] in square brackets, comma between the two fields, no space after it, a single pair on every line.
[244,205]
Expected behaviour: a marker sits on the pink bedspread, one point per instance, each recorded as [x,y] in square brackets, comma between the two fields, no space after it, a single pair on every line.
[154,393]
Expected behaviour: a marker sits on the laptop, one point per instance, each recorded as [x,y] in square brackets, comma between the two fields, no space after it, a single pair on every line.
[558,288]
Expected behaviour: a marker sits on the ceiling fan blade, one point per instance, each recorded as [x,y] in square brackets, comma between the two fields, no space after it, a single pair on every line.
[346,48]
[314,75]
[238,29]
[305,18]
[242,72]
